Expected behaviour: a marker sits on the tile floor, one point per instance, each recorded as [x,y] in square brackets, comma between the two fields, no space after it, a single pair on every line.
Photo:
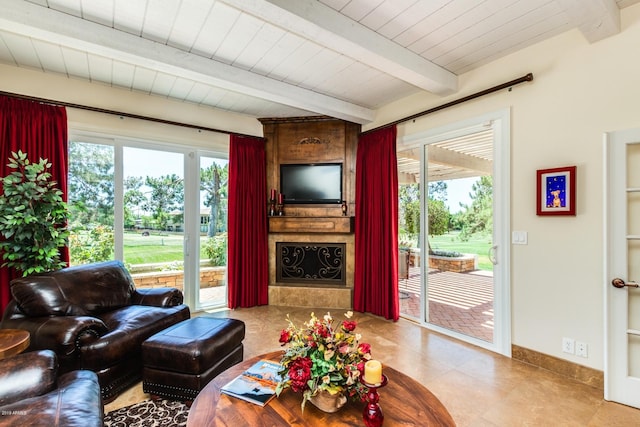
[478,387]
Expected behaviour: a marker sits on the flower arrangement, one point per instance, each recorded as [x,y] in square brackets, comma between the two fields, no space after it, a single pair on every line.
[323,356]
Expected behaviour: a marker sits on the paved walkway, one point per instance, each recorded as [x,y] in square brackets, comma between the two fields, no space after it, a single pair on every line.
[458,301]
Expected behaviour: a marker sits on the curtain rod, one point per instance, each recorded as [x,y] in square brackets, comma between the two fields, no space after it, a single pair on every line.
[121,114]
[525,78]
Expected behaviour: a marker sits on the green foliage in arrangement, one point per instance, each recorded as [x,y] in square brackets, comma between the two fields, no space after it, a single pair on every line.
[33,217]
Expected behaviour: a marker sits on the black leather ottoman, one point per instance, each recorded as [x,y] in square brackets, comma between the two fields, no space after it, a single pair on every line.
[180,360]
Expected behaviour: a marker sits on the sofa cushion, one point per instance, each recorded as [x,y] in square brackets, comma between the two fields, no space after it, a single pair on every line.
[74,291]
[129,327]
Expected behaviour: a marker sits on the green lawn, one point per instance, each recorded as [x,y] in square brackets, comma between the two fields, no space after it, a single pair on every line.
[139,249]
[476,245]
[157,248]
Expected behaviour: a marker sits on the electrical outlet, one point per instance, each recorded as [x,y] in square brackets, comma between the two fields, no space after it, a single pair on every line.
[568,345]
[581,349]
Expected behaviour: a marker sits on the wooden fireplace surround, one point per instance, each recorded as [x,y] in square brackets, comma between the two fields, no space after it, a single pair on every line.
[317,139]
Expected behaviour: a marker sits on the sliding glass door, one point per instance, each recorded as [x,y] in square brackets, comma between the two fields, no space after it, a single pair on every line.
[160,209]
[212,233]
[454,230]
[153,226]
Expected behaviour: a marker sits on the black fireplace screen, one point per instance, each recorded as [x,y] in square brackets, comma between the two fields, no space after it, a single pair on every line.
[318,263]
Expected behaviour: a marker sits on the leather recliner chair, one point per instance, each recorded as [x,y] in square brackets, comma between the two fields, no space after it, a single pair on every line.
[93,318]
[32,393]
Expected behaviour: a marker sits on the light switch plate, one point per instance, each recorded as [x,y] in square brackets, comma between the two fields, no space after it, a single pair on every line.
[519,237]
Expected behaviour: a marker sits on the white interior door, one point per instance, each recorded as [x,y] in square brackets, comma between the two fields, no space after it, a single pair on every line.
[622,268]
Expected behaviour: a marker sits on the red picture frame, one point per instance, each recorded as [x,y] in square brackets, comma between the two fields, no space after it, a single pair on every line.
[556,191]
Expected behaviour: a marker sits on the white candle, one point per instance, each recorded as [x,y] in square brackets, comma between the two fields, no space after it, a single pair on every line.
[373,372]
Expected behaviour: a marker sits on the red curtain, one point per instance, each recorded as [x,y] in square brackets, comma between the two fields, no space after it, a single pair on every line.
[247,261]
[40,131]
[376,239]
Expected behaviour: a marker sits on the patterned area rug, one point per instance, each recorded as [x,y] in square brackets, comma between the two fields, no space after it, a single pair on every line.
[149,413]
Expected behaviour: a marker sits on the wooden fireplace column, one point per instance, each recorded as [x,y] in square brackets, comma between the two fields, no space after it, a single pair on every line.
[317,139]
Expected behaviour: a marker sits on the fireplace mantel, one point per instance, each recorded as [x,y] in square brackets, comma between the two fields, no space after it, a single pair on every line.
[299,224]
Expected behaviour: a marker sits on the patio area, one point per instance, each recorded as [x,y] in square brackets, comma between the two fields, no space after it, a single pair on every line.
[458,301]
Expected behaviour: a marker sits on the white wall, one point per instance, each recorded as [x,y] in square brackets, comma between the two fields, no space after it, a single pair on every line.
[580,90]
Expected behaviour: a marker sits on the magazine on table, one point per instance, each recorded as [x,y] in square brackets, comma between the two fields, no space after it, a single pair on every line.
[257,384]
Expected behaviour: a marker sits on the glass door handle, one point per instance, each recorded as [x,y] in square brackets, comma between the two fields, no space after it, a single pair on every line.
[493,250]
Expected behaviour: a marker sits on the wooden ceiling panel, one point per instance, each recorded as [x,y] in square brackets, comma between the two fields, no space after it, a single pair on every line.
[5,52]
[214,30]
[260,47]
[188,24]
[358,9]
[238,39]
[77,63]
[385,12]
[143,79]
[123,74]
[410,17]
[101,12]
[498,22]
[533,27]
[129,15]
[100,69]
[22,51]
[49,56]
[278,53]
[159,20]
[162,84]
[198,93]
[181,89]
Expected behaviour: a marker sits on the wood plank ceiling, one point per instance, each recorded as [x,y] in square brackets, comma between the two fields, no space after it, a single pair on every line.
[283,58]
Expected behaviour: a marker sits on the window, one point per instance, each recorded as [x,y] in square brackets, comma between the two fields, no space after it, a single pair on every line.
[141,204]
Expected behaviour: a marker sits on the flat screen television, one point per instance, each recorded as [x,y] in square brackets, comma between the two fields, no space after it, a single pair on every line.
[311,183]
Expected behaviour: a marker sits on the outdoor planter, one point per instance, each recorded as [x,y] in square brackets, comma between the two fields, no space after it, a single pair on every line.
[461,264]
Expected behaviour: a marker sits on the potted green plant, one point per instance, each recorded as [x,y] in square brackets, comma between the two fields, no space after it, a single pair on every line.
[33,217]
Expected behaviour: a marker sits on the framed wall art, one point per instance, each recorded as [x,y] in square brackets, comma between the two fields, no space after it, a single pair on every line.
[556,191]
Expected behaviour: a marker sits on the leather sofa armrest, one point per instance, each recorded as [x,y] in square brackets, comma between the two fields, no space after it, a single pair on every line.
[75,403]
[27,375]
[62,334]
[158,297]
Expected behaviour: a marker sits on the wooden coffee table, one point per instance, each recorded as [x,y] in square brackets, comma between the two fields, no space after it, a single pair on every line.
[13,341]
[404,402]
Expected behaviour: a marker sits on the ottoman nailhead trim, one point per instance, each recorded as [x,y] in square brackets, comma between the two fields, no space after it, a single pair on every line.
[187,391]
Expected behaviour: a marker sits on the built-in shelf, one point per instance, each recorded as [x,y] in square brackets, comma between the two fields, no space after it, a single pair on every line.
[305,224]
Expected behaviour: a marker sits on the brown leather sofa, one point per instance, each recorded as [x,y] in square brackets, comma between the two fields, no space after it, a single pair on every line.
[32,393]
[93,317]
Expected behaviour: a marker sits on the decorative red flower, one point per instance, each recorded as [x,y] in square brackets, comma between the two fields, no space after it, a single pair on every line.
[311,341]
[321,330]
[344,348]
[349,325]
[285,336]
[364,348]
[300,373]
